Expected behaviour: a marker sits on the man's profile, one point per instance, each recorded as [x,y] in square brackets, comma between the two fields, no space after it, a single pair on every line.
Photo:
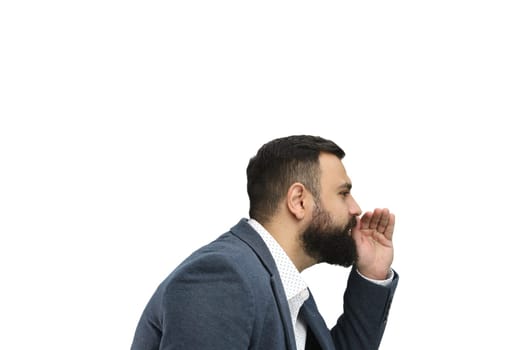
[244,290]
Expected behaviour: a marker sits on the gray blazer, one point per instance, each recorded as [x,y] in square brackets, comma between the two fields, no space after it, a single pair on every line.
[228,295]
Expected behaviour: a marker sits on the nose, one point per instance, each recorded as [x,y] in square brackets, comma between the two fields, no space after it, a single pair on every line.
[353,208]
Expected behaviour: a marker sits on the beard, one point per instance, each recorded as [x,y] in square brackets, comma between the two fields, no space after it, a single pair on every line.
[328,242]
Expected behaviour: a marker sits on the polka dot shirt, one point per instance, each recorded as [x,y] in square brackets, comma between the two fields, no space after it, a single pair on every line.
[294,285]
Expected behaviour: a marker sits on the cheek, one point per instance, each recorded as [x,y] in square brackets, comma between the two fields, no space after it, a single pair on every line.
[339,213]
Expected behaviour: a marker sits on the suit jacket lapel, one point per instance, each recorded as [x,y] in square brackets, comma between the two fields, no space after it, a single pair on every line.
[316,324]
[247,234]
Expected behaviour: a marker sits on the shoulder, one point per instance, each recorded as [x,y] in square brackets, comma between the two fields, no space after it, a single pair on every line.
[227,258]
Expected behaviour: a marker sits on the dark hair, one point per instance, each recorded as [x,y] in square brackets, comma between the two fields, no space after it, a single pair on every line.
[280,163]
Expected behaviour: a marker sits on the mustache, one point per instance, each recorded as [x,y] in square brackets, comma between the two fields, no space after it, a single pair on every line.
[352,223]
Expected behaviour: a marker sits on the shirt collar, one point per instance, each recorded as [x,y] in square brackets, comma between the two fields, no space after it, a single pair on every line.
[291,278]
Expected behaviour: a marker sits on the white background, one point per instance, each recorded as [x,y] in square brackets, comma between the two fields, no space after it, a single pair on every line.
[126,128]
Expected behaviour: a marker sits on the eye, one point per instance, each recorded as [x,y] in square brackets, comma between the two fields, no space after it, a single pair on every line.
[344,193]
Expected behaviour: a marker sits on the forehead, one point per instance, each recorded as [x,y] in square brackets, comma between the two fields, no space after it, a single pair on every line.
[333,172]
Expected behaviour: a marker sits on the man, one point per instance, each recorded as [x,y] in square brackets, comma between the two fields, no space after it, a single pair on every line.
[245,291]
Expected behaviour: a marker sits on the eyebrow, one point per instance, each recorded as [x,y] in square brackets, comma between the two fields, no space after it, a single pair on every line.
[347,186]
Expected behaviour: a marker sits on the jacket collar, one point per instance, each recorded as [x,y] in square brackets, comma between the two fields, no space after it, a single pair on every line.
[248,235]
[309,311]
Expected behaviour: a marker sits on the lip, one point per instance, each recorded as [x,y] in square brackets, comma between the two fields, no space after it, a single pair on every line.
[353,222]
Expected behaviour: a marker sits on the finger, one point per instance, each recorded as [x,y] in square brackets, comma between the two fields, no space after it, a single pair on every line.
[383,221]
[375,219]
[382,239]
[389,232]
[365,221]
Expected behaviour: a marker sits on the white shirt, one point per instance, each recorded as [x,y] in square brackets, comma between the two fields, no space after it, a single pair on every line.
[294,285]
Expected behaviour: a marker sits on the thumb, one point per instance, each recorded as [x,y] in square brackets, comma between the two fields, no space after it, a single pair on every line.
[355,232]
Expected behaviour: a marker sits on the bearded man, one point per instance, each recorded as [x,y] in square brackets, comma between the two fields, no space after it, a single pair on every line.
[244,290]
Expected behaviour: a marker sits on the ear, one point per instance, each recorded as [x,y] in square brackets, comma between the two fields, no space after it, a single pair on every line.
[295,200]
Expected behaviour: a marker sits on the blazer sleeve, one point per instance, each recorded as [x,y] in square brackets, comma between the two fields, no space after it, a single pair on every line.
[205,304]
[366,306]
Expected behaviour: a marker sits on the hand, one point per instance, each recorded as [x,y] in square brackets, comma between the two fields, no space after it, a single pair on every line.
[373,239]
